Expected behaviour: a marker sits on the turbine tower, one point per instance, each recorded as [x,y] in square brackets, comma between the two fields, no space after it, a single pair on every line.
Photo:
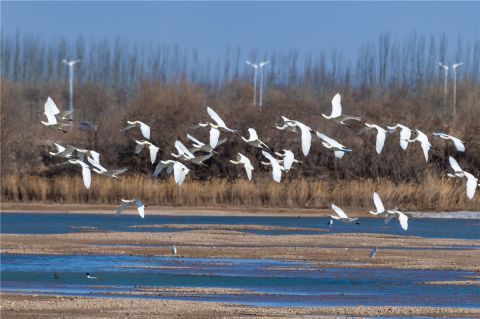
[454,67]
[445,68]
[260,66]
[70,65]
[255,69]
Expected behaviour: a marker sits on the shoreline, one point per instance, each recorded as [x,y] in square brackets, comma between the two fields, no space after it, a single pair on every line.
[247,211]
[33,306]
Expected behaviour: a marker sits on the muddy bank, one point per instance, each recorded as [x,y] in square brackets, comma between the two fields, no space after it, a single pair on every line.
[34,306]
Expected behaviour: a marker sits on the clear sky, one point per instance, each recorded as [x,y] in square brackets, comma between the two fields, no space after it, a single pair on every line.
[211,27]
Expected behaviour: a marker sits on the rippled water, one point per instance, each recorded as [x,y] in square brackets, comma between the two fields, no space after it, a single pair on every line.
[267,282]
[50,223]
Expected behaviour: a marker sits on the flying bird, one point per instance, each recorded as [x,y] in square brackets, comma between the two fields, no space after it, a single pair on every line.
[405,134]
[51,118]
[126,203]
[253,140]
[152,148]
[341,216]
[336,114]
[99,169]
[459,144]
[338,149]
[86,174]
[402,218]
[306,131]
[276,167]
[472,181]
[144,128]
[200,146]
[179,170]
[243,160]
[64,152]
[423,140]
[381,135]
[378,205]
[216,127]
[288,159]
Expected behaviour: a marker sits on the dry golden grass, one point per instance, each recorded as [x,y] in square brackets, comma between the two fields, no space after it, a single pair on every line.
[433,193]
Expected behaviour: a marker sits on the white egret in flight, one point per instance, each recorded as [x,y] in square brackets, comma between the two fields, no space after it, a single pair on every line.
[276,167]
[152,148]
[405,134]
[336,114]
[459,144]
[380,209]
[292,125]
[381,135]
[126,203]
[64,152]
[86,174]
[243,160]
[288,159]
[472,181]
[216,127]
[179,170]
[424,142]
[341,216]
[253,140]
[338,149]
[402,218]
[144,128]
[51,118]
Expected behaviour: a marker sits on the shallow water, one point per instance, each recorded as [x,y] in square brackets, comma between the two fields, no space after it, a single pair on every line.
[51,223]
[268,282]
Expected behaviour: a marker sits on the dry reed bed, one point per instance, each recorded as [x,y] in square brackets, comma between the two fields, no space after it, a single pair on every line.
[433,193]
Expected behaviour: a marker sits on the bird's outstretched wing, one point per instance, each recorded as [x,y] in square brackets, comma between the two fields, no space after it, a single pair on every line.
[339,211]
[215,117]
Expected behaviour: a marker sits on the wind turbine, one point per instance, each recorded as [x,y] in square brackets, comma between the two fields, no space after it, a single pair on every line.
[454,67]
[255,69]
[445,68]
[70,65]
[260,66]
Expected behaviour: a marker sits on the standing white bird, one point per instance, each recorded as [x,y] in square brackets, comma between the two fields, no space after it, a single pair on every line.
[402,218]
[373,252]
[179,170]
[174,250]
[216,128]
[126,203]
[405,134]
[380,209]
[144,128]
[341,216]
[338,149]
[381,135]
[425,143]
[253,140]
[51,118]
[243,160]
[288,159]
[152,148]
[472,181]
[64,152]
[336,114]
[459,144]
[276,167]
[86,174]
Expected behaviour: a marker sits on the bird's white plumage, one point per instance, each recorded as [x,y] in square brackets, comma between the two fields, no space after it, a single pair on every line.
[336,106]
[276,167]
[179,172]
[339,211]
[472,182]
[243,160]
[381,135]
[424,142]
[214,136]
[454,164]
[144,128]
[126,203]
[306,137]
[153,150]
[215,117]
[378,204]
[460,147]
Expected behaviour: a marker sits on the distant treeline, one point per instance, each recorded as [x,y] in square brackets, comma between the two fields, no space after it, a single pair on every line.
[411,62]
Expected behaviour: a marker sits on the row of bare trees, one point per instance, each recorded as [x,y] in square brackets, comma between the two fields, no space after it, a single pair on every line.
[391,62]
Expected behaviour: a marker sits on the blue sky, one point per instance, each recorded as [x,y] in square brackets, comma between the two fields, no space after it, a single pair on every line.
[211,27]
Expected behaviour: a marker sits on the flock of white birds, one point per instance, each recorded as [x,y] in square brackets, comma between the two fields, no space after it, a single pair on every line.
[90,160]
